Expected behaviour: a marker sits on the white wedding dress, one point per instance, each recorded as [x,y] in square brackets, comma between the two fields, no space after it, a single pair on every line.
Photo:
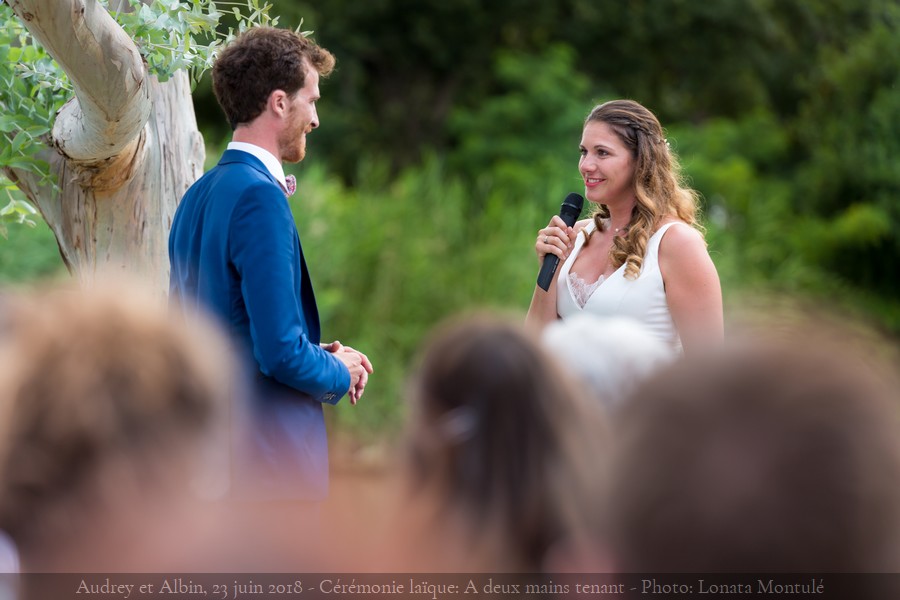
[642,299]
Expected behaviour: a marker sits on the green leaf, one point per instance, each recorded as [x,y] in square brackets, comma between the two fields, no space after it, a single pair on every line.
[7,123]
[23,163]
[36,131]
[19,140]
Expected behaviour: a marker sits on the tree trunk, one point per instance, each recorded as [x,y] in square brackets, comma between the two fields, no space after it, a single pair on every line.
[124,150]
[115,218]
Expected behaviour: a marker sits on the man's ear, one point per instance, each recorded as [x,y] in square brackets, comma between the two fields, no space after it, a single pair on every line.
[278,102]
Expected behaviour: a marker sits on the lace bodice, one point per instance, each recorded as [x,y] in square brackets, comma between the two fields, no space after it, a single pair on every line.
[582,290]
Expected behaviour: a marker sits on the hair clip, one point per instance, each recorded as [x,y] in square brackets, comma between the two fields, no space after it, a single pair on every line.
[458,425]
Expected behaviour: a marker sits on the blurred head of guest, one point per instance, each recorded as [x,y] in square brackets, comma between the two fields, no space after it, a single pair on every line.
[109,412]
[772,455]
[611,356]
[503,452]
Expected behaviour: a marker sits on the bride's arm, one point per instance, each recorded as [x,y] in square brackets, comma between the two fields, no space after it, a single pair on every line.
[693,292]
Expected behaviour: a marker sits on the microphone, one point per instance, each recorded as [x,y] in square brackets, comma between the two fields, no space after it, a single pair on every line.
[569,211]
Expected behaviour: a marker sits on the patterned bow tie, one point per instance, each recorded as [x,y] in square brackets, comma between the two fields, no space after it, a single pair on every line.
[291,183]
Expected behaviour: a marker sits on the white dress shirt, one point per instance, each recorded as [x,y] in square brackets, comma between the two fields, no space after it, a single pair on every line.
[268,160]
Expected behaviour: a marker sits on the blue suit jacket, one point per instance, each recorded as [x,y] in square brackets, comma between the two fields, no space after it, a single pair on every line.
[234,252]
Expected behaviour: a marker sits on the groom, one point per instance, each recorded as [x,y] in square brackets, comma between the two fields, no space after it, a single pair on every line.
[235,252]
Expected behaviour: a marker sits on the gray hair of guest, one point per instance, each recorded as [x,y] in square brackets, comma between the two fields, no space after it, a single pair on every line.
[611,356]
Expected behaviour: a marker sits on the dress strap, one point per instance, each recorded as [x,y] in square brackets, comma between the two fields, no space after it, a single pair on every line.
[652,254]
[662,230]
[588,229]
[659,233]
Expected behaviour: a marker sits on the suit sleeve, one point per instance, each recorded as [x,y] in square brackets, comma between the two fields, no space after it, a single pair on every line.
[263,246]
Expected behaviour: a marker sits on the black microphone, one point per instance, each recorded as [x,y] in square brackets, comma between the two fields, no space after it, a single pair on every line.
[569,211]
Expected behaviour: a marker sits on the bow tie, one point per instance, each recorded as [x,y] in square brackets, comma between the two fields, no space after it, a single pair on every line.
[291,183]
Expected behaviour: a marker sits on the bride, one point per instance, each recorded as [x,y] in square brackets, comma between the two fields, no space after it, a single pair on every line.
[641,254]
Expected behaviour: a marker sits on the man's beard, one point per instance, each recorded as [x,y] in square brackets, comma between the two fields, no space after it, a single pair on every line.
[293,140]
[293,147]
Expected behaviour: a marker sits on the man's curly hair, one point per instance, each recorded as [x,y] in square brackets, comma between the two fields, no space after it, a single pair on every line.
[260,61]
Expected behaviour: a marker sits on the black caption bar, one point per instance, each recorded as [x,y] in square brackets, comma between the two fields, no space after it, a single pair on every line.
[444,586]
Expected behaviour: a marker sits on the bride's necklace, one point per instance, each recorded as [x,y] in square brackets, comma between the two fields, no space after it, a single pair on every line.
[614,229]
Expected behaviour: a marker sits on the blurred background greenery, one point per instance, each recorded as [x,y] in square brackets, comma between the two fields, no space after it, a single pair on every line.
[450,134]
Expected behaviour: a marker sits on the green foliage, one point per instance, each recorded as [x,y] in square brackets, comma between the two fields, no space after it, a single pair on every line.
[392,256]
[403,66]
[762,234]
[849,180]
[529,126]
[748,211]
[32,89]
[29,254]
[18,212]
[176,34]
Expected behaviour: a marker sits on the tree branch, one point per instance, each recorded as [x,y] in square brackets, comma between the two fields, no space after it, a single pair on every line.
[112,90]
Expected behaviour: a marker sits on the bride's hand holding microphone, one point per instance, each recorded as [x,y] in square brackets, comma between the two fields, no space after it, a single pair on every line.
[557,239]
